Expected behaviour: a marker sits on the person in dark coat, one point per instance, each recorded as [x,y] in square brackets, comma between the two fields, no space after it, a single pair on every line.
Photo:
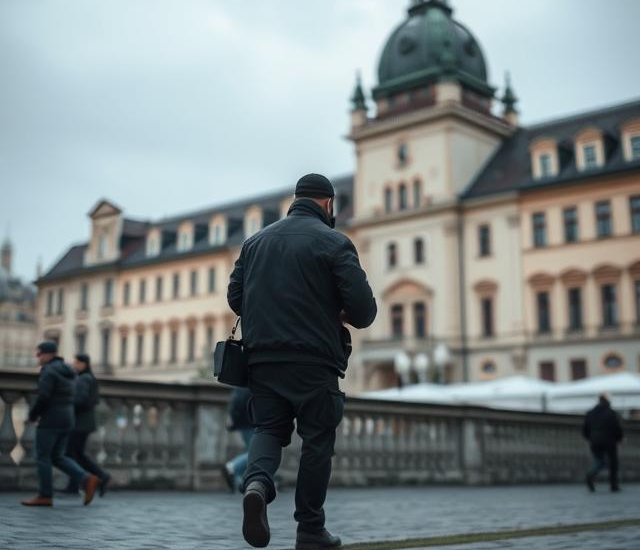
[603,429]
[85,400]
[234,469]
[53,409]
[294,285]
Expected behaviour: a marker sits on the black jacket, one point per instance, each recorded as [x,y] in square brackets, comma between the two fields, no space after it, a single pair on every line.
[54,404]
[602,426]
[85,400]
[290,284]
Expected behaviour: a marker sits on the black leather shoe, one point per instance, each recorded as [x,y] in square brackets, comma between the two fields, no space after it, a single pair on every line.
[255,526]
[317,541]
[102,486]
[589,481]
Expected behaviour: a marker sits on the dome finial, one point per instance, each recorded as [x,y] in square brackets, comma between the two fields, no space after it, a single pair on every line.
[358,100]
[509,98]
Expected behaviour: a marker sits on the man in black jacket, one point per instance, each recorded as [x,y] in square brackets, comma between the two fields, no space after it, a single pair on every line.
[294,285]
[603,430]
[54,409]
[86,398]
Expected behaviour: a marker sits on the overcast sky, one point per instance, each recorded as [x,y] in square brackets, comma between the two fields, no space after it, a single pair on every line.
[166,106]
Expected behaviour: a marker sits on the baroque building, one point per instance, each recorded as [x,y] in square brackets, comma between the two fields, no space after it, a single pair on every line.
[493,249]
[17,315]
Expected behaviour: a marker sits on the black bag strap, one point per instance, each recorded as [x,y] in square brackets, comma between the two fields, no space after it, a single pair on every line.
[233,330]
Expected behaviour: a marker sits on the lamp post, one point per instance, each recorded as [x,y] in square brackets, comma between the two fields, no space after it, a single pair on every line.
[421,365]
[442,357]
[402,366]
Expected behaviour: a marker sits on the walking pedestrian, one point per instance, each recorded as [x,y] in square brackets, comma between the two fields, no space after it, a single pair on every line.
[53,409]
[86,398]
[294,284]
[234,469]
[603,429]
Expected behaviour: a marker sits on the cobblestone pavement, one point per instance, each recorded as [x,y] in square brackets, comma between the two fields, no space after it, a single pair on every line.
[199,521]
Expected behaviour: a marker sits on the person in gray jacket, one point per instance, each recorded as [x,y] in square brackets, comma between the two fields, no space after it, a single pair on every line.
[85,400]
[54,411]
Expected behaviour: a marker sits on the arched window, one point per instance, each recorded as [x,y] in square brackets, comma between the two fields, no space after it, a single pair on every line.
[388,200]
[417,193]
[489,368]
[402,197]
[612,361]
[418,250]
[392,255]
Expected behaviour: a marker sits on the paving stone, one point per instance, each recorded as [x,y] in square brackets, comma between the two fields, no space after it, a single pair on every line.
[200,521]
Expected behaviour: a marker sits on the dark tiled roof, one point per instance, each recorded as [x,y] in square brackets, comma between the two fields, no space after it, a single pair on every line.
[132,242]
[510,167]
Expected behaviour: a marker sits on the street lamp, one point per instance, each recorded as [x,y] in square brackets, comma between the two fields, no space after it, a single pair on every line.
[421,364]
[442,357]
[402,366]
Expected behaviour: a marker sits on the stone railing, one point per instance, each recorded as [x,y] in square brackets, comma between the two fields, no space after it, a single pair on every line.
[154,435]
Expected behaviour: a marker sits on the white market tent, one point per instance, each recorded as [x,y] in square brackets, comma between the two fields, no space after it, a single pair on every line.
[524,393]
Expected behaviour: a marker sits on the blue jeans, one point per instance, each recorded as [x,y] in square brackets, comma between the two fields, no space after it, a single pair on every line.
[239,463]
[51,445]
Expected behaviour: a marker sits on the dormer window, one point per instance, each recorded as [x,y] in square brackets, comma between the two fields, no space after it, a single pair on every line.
[103,244]
[153,243]
[185,237]
[545,165]
[631,140]
[252,221]
[635,147]
[589,149]
[217,230]
[544,158]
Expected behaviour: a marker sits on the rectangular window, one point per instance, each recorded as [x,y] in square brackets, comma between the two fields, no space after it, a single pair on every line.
[139,349]
[60,309]
[397,321]
[487,317]
[609,305]
[126,293]
[603,219]
[635,147]
[176,285]
[174,346]
[575,309]
[578,369]
[159,281]
[539,230]
[417,194]
[636,294]
[209,339]
[108,293]
[402,197]
[84,297]
[544,320]
[545,165]
[143,291]
[484,240]
[194,282]
[589,152]
[419,319]
[81,342]
[388,200]
[191,351]
[212,279]
[634,207]
[570,225]
[418,251]
[392,258]
[106,343]
[156,348]
[123,350]
[49,302]
[548,371]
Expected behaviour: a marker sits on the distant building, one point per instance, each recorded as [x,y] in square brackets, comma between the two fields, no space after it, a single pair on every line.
[493,249]
[17,316]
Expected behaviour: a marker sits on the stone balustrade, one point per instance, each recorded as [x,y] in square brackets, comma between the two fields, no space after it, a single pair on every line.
[155,435]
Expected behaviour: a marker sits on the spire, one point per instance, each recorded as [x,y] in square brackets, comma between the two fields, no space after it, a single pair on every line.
[6,254]
[358,101]
[509,98]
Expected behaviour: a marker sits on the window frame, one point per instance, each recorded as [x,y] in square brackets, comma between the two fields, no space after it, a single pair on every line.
[570,224]
[539,229]
[604,222]
[484,240]
[396,312]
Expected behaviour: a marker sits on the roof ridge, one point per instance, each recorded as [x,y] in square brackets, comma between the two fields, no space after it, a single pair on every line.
[582,114]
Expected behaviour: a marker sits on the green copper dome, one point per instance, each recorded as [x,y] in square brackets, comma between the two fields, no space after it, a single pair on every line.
[430,46]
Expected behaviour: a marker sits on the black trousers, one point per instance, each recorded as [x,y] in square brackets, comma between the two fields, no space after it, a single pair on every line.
[75,450]
[280,393]
[604,455]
